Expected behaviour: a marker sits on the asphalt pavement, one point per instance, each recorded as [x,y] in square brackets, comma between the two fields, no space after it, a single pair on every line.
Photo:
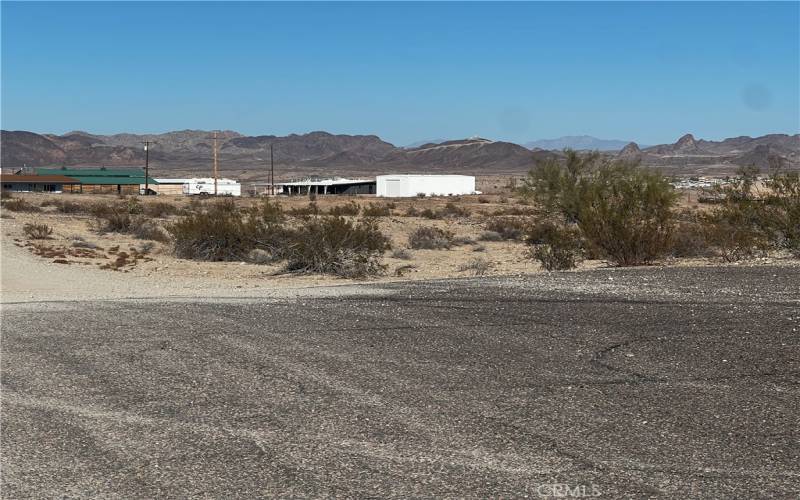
[639,383]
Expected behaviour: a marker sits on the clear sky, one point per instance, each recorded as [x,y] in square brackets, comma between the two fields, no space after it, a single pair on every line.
[648,72]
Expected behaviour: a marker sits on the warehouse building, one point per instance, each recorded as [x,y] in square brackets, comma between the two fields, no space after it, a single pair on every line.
[101,180]
[317,186]
[38,183]
[408,185]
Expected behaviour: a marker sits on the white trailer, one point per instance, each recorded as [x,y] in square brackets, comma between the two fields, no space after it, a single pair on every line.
[408,185]
[225,187]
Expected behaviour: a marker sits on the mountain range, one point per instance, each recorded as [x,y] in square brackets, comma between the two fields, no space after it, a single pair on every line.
[578,143]
[322,153]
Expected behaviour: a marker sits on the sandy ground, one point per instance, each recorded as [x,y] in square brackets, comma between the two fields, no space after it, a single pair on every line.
[28,277]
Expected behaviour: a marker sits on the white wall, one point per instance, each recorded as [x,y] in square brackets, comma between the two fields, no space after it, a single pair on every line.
[404,186]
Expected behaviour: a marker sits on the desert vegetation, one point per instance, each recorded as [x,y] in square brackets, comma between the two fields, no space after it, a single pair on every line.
[583,212]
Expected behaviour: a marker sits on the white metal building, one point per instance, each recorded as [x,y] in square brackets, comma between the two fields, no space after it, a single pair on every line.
[407,185]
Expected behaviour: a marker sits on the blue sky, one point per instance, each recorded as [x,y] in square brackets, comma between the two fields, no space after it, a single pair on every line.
[405,71]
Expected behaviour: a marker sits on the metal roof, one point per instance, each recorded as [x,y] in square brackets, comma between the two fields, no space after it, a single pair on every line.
[38,179]
[101,176]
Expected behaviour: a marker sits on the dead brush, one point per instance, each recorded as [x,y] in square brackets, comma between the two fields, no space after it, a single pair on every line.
[430,238]
[36,231]
[19,205]
[477,266]
[350,208]
[337,246]
[509,228]
[377,210]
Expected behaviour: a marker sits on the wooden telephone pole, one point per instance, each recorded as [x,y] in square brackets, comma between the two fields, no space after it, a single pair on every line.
[271,171]
[147,166]
[216,166]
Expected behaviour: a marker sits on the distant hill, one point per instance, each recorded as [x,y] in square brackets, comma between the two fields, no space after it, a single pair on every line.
[577,142]
[322,153]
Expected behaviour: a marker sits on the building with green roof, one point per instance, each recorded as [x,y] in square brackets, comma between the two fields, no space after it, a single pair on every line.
[102,180]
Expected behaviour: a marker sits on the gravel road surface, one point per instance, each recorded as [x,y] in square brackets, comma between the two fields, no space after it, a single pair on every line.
[660,382]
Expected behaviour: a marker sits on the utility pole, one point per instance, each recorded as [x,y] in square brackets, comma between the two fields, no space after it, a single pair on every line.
[215,163]
[147,166]
[271,171]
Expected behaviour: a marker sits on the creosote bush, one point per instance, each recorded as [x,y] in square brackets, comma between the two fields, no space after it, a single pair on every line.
[430,238]
[351,208]
[557,247]
[508,228]
[377,210]
[335,245]
[321,244]
[624,212]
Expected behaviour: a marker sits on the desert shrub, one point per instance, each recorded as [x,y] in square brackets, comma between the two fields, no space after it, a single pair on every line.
[68,207]
[557,247]
[351,208]
[453,210]
[267,213]
[479,248]
[477,266]
[37,231]
[625,212]
[215,234]
[261,256]
[19,205]
[430,214]
[391,205]
[782,211]
[508,228]
[377,210]
[338,246]
[490,236]
[5,195]
[412,212]
[746,223]
[463,240]
[430,238]
[421,195]
[402,253]
[691,239]
[735,234]
[311,209]
[312,196]
[150,230]
[133,206]
[483,199]
[160,209]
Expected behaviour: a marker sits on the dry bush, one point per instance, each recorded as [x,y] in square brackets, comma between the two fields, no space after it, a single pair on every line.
[150,230]
[482,199]
[507,227]
[453,210]
[351,208]
[402,253]
[335,245]
[377,210]
[691,239]
[311,209]
[19,205]
[412,212]
[218,233]
[555,246]
[463,240]
[477,266]
[430,214]
[37,231]
[490,236]
[160,209]
[430,238]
